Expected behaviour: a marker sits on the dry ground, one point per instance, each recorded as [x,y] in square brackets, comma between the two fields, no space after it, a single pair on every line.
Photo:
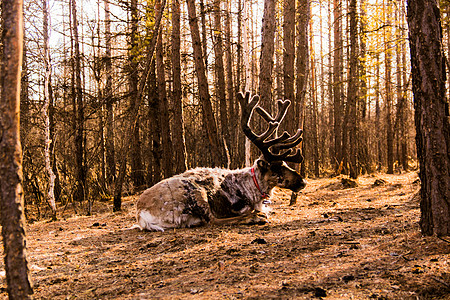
[336,243]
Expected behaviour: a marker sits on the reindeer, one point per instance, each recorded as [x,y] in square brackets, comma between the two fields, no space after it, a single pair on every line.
[221,196]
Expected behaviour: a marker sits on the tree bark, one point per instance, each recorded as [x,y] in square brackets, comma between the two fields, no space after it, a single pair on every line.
[217,150]
[178,128]
[431,115]
[352,140]
[388,88]
[11,189]
[302,67]
[166,140]
[337,84]
[267,51]
[220,78]
[47,110]
[233,106]
[137,169]
[109,143]
[117,205]
[80,173]
[289,60]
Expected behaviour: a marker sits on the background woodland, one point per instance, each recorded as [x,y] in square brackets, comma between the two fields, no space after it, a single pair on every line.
[117,95]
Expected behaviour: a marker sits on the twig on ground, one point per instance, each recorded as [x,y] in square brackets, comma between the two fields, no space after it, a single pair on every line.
[442,239]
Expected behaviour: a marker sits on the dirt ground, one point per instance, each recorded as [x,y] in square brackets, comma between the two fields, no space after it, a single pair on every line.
[338,242]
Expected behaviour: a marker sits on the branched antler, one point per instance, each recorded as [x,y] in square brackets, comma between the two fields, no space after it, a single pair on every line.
[284,142]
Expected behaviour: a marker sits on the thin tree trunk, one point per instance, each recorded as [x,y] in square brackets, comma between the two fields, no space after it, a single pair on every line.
[220,78]
[48,101]
[233,107]
[431,116]
[337,84]
[352,140]
[267,51]
[247,73]
[166,139]
[80,176]
[388,86]
[178,128]
[217,150]
[379,157]
[117,205]
[11,189]
[403,95]
[204,40]
[155,168]
[315,125]
[109,143]
[137,169]
[289,60]
[302,66]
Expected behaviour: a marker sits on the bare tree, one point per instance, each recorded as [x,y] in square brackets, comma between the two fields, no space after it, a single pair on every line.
[217,151]
[431,115]
[178,128]
[337,84]
[388,92]
[117,205]
[267,51]
[220,75]
[109,143]
[48,101]
[11,190]
[137,169]
[353,94]
[78,109]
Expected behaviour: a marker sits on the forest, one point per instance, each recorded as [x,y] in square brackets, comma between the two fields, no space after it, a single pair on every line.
[96,107]
[117,95]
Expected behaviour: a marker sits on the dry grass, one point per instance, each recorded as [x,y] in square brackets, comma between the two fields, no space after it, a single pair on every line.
[336,243]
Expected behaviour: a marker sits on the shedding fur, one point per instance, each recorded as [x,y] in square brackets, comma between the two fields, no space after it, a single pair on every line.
[221,196]
[218,196]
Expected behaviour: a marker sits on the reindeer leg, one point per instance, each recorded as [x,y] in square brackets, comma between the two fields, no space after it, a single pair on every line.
[254,217]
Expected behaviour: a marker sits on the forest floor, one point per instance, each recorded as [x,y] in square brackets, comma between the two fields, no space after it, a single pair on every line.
[337,242]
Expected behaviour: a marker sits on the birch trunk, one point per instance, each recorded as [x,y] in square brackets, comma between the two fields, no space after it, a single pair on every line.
[46,111]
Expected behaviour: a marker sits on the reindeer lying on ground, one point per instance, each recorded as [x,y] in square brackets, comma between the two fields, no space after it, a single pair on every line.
[221,196]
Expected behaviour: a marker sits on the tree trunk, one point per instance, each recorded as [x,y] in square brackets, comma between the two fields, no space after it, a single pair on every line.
[220,78]
[302,66]
[166,139]
[288,60]
[11,190]
[155,168]
[247,74]
[337,84]
[109,143]
[178,126]
[130,128]
[217,151]
[204,40]
[405,124]
[314,130]
[80,175]
[137,169]
[233,107]
[47,110]
[267,51]
[431,115]
[388,87]
[379,157]
[352,101]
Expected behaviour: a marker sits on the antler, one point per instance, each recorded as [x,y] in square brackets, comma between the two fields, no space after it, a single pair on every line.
[283,142]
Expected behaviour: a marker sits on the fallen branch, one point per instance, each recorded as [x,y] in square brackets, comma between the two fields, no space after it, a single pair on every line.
[442,239]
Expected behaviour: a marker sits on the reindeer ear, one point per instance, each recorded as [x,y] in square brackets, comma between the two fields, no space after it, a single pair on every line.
[263,164]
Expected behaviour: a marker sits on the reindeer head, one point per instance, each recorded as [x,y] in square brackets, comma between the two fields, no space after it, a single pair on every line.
[276,151]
